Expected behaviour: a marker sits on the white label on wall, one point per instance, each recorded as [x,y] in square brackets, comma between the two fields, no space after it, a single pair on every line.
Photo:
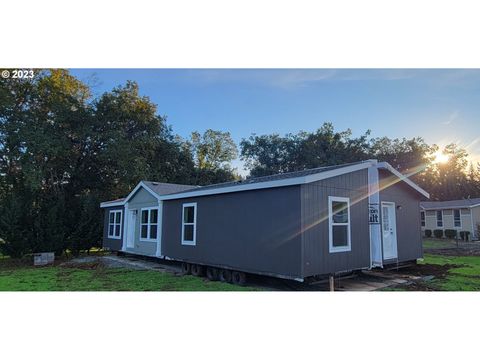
[373,213]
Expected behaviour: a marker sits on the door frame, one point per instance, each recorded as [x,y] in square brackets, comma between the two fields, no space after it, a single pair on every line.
[130,215]
[392,205]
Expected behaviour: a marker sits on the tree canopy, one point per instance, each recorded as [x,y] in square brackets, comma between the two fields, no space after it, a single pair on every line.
[456,178]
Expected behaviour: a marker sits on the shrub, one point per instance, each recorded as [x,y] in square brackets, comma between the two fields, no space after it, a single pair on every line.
[465,235]
[451,233]
[438,233]
[428,233]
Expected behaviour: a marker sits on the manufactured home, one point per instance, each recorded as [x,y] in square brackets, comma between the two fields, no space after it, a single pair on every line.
[459,215]
[295,225]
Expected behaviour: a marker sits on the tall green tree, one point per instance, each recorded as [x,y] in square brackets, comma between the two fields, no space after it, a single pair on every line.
[62,152]
[212,152]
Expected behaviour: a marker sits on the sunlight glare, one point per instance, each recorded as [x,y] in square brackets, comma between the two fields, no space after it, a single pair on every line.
[440,158]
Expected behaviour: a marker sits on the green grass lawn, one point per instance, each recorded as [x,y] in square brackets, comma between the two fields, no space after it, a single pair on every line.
[431,243]
[464,276]
[58,278]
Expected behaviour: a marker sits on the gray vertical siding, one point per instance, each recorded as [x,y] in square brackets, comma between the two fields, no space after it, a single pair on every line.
[409,234]
[255,231]
[317,259]
[142,199]
[112,244]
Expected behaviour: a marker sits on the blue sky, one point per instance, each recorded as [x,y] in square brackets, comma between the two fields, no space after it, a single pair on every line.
[442,106]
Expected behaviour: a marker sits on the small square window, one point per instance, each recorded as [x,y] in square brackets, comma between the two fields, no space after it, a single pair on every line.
[188,233]
[340,236]
[340,212]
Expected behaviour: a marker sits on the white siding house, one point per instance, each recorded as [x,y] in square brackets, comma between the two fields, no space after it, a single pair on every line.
[460,215]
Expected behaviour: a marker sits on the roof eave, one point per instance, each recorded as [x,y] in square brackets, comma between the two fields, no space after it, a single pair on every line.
[274,183]
[112,203]
[387,166]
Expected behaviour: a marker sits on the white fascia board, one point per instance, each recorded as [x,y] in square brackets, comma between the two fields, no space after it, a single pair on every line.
[387,166]
[273,183]
[112,203]
[141,184]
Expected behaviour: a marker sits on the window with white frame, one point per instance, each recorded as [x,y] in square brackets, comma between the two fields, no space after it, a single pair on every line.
[439,218]
[114,224]
[422,218]
[457,220]
[339,224]
[149,224]
[189,224]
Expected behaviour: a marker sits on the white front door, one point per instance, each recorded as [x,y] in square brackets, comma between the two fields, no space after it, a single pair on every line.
[132,220]
[389,231]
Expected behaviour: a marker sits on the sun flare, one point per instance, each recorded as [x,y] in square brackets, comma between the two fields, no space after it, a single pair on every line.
[440,158]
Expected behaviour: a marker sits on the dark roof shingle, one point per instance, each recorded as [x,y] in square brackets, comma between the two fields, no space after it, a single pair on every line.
[166,188]
[261,179]
[462,203]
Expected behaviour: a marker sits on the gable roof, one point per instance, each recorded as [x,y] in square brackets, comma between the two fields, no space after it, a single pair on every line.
[292,178]
[451,204]
[157,189]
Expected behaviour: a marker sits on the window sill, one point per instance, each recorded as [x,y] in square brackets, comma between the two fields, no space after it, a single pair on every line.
[114,238]
[189,243]
[149,240]
[340,249]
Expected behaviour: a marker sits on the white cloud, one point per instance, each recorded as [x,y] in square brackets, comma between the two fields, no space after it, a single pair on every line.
[453,117]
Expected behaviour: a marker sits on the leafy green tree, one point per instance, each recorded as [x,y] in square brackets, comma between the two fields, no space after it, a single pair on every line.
[213,150]
[272,154]
[406,155]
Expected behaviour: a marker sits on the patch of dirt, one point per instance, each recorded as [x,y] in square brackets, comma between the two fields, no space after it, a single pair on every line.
[438,271]
[429,270]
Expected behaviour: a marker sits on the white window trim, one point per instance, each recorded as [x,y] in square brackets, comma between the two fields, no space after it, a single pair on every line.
[424,221]
[187,242]
[460,217]
[335,249]
[149,209]
[114,224]
[436,219]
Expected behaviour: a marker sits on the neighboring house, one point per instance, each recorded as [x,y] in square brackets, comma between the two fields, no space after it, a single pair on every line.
[295,225]
[461,215]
